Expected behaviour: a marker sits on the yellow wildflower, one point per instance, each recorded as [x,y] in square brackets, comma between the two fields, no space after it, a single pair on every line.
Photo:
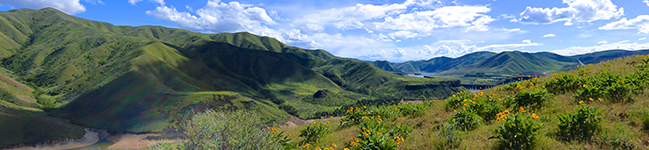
[535,116]
[600,99]
[521,109]
[591,99]
[581,102]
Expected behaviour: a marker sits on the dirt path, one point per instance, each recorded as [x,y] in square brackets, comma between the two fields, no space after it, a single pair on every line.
[135,141]
[88,139]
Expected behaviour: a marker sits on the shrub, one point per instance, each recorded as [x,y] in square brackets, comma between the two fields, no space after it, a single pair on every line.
[353,116]
[517,131]
[452,138]
[373,134]
[314,132]
[562,83]
[411,109]
[466,120]
[533,98]
[226,130]
[456,100]
[582,124]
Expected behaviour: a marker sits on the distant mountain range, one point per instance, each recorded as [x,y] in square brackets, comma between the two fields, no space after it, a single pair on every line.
[149,78]
[508,62]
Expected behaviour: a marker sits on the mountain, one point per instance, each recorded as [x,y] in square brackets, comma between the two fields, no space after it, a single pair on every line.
[149,78]
[510,62]
[387,66]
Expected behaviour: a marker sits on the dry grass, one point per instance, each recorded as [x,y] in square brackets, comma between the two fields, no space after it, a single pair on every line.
[622,125]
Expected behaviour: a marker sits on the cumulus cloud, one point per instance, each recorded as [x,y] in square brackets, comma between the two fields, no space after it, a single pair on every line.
[352,17]
[527,41]
[602,42]
[449,16]
[67,6]
[641,23]
[646,2]
[576,50]
[548,35]
[448,48]
[215,17]
[133,2]
[577,11]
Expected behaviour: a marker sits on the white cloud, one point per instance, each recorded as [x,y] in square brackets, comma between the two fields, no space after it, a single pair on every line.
[215,17]
[575,50]
[642,38]
[527,41]
[351,17]
[548,35]
[67,6]
[646,2]
[641,23]
[445,17]
[161,2]
[403,34]
[602,42]
[448,48]
[577,11]
[510,30]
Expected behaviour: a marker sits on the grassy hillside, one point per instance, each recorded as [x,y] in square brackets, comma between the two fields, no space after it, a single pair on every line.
[149,78]
[597,106]
[510,62]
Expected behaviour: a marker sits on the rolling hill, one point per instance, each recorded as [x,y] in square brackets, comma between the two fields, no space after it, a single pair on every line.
[149,78]
[510,62]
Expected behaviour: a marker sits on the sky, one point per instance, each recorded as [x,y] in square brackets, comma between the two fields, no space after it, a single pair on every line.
[394,30]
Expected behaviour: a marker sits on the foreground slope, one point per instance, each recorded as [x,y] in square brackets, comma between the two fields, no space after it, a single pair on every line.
[596,106]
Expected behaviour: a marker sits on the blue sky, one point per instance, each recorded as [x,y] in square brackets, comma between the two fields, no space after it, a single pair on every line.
[394,30]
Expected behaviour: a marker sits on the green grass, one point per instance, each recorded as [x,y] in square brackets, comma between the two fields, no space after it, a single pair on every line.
[623,126]
[149,78]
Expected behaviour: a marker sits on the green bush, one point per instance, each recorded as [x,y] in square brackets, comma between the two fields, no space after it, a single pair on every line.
[314,132]
[533,98]
[226,130]
[517,131]
[353,116]
[456,100]
[466,120]
[582,124]
[411,109]
[562,83]
[374,134]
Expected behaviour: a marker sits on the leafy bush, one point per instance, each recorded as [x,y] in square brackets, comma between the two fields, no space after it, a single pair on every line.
[226,130]
[517,131]
[562,83]
[452,138]
[533,98]
[314,132]
[373,134]
[582,124]
[466,120]
[487,109]
[411,109]
[353,116]
[456,100]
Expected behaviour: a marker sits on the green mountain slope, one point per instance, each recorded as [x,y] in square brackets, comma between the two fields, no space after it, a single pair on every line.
[147,79]
[510,62]
[387,66]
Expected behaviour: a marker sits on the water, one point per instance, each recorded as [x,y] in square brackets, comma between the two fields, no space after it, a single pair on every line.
[422,74]
[101,144]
